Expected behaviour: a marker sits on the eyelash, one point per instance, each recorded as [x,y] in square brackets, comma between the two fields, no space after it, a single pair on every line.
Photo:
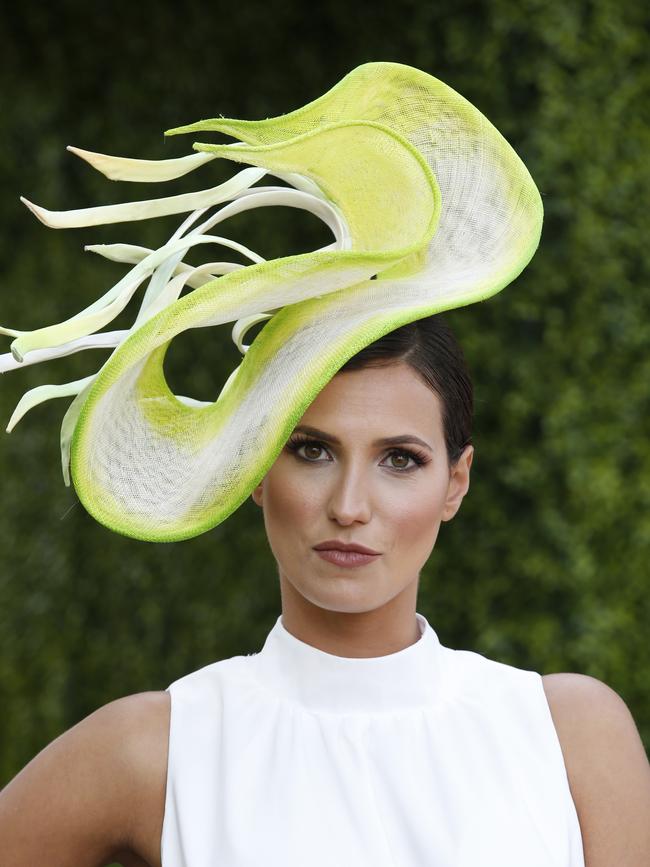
[296,441]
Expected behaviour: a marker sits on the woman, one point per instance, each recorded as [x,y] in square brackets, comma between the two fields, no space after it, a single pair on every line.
[353,736]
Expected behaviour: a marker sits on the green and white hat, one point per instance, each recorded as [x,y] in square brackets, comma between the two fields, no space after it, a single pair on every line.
[430,209]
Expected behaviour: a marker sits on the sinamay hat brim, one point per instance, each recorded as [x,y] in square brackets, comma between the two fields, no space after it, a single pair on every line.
[431,209]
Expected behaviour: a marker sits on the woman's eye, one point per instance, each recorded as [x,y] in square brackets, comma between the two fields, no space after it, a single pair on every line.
[400,460]
[310,449]
[307,450]
[403,459]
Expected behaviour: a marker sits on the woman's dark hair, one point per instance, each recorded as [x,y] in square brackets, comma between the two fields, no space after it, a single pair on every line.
[429,346]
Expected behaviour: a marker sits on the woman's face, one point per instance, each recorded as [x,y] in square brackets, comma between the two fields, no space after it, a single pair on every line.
[342,484]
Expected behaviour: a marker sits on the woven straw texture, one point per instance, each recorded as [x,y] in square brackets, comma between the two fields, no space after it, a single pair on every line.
[430,209]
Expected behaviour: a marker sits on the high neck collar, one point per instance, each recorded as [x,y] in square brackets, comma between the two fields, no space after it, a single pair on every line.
[320,681]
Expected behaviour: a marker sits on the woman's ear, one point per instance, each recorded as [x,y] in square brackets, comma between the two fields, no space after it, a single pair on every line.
[256,494]
[458,484]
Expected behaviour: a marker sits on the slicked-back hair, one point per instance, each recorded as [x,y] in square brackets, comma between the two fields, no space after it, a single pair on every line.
[430,347]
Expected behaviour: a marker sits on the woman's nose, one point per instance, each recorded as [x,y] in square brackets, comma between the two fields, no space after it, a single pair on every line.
[349,498]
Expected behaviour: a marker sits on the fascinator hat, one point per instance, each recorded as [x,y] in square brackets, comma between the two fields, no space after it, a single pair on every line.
[430,209]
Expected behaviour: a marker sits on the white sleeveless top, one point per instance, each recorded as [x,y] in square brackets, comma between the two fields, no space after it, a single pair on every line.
[428,757]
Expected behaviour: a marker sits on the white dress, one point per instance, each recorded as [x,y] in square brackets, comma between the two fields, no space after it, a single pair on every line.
[428,757]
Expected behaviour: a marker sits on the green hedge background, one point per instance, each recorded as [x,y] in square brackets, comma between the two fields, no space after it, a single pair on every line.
[547,565]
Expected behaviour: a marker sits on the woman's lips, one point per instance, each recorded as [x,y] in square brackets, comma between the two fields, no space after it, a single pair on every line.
[346,558]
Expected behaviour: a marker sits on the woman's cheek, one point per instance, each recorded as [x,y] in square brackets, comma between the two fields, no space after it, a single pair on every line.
[418,515]
[293,497]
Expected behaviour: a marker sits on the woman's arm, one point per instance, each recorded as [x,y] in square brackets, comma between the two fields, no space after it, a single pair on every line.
[96,791]
[608,769]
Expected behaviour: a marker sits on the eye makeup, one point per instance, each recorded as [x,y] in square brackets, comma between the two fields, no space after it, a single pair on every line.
[297,441]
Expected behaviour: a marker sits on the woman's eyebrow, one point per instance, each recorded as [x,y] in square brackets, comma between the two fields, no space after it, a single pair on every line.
[386,441]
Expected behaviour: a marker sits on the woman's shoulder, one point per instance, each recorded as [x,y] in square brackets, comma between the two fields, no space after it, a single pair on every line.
[142,723]
[96,791]
[204,686]
[607,768]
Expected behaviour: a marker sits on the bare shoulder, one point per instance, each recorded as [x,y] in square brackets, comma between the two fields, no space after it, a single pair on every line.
[607,767]
[95,792]
[142,724]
